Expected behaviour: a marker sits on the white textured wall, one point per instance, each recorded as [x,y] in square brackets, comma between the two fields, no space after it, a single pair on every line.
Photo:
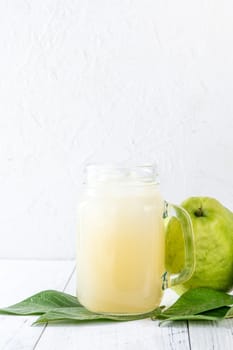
[90,80]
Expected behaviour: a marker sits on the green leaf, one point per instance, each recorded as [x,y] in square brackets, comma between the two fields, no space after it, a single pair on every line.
[212,315]
[41,302]
[80,314]
[198,300]
[230,313]
[54,306]
[219,312]
[191,318]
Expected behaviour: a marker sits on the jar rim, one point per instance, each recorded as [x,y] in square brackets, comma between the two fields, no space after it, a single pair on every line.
[105,172]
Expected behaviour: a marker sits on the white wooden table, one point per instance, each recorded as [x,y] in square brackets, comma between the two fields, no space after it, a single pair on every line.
[19,279]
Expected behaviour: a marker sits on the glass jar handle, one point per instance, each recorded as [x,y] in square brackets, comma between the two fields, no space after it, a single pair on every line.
[183,217]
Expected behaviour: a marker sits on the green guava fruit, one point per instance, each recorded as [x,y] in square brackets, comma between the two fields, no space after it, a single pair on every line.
[213,234]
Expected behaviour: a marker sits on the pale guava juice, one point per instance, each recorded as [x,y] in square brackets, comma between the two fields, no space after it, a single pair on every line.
[120,254]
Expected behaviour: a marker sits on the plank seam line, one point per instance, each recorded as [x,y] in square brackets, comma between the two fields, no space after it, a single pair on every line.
[68,281]
[45,326]
[189,340]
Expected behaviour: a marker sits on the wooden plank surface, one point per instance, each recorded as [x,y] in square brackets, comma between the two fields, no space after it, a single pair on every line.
[20,279]
[135,335]
[211,335]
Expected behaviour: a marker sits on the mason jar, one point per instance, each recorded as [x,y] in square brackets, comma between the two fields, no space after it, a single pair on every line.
[121,240]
